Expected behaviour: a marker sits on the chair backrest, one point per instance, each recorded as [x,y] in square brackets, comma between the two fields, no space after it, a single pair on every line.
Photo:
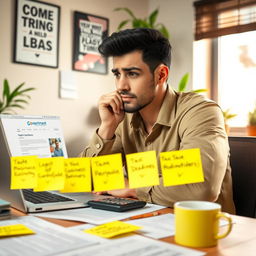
[243,164]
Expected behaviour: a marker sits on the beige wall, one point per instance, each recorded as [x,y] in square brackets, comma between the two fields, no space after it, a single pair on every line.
[178,17]
[79,117]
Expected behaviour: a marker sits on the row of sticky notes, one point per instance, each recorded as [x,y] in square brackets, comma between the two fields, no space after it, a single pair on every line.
[106,172]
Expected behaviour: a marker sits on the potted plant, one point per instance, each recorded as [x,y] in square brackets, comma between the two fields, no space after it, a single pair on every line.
[148,22]
[251,127]
[227,116]
[12,99]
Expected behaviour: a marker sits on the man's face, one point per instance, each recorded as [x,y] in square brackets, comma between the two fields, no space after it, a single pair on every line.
[134,81]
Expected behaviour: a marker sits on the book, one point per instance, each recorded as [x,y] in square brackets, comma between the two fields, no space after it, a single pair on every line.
[5,211]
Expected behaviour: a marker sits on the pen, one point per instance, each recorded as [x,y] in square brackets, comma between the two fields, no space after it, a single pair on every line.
[145,215]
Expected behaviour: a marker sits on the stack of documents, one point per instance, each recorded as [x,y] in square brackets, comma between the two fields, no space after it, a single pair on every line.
[4,209]
[51,239]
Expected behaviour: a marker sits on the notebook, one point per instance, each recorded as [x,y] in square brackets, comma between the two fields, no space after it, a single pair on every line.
[34,135]
[4,209]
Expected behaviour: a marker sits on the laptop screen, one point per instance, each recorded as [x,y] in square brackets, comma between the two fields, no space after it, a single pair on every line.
[34,135]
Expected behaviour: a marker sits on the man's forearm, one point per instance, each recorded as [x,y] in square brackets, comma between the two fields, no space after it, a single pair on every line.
[106,132]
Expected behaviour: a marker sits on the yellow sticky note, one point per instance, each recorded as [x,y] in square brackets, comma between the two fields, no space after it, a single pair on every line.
[50,174]
[112,229]
[23,172]
[107,172]
[77,175]
[15,230]
[142,169]
[181,167]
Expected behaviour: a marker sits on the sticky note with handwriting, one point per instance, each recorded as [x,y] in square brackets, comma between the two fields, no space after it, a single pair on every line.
[50,174]
[142,169]
[112,229]
[181,167]
[107,172]
[77,175]
[15,230]
[23,172]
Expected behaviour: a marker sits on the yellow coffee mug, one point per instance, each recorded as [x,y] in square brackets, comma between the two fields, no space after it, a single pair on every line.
[197,223]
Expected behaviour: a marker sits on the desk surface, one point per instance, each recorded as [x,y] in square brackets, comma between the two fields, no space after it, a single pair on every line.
[241,240]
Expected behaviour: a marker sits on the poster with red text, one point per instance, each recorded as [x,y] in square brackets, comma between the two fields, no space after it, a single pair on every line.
[89,31]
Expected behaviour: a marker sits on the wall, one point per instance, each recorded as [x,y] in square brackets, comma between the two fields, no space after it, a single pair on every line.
[178,17]
[79,117]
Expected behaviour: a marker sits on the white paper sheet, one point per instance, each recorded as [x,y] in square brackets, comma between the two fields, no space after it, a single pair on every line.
[48,240]
[68,88]
[159,226]
[95,216]
[155,227]
[134,245]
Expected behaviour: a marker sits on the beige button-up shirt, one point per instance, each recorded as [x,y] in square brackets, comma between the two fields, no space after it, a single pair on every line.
[185,120]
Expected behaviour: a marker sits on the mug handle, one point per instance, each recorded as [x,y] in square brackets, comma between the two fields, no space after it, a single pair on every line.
[228,218]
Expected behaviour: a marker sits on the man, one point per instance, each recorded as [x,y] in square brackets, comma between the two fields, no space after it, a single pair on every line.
[144,114]
[57,151]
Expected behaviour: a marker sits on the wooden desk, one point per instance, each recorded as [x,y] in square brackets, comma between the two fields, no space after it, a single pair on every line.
[241,240]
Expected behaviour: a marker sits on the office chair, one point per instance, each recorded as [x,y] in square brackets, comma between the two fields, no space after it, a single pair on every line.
[243,164]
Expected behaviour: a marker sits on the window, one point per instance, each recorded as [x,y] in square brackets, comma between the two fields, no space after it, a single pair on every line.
[224,58]
[237,75]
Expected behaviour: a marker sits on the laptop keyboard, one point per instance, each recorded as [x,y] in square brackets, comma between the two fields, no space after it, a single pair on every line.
[43,197]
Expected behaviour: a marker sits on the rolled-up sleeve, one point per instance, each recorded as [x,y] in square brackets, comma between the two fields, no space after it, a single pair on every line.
[97,146]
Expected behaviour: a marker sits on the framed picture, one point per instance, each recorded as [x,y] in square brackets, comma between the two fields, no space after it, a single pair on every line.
[36,33]
[89,31]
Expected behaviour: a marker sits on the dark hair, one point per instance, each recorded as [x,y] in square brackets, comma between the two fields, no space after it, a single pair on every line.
[156,49]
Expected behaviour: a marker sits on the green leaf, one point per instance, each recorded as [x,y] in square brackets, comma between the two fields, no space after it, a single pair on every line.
[183,83]
[20,100]
[152,18]
[199,90]
[6,91]
[25,95]
[15,91]
[21,93]
[252,117]
[137,23]
[15,106]
[227,115]
[126,10]
[163,30]
[122,24]
[15,98]
[26,90]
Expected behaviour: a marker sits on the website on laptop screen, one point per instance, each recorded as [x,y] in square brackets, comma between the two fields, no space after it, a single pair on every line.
[34,135]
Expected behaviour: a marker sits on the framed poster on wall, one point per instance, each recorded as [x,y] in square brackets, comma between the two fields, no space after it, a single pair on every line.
[36,33]
[89,31]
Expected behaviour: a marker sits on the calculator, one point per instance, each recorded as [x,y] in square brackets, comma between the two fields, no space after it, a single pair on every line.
[116,204]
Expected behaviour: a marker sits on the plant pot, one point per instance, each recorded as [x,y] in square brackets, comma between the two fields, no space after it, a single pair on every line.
[227,128]
[251,130]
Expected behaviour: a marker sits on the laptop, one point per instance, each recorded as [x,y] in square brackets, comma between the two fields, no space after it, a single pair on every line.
[34,135]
